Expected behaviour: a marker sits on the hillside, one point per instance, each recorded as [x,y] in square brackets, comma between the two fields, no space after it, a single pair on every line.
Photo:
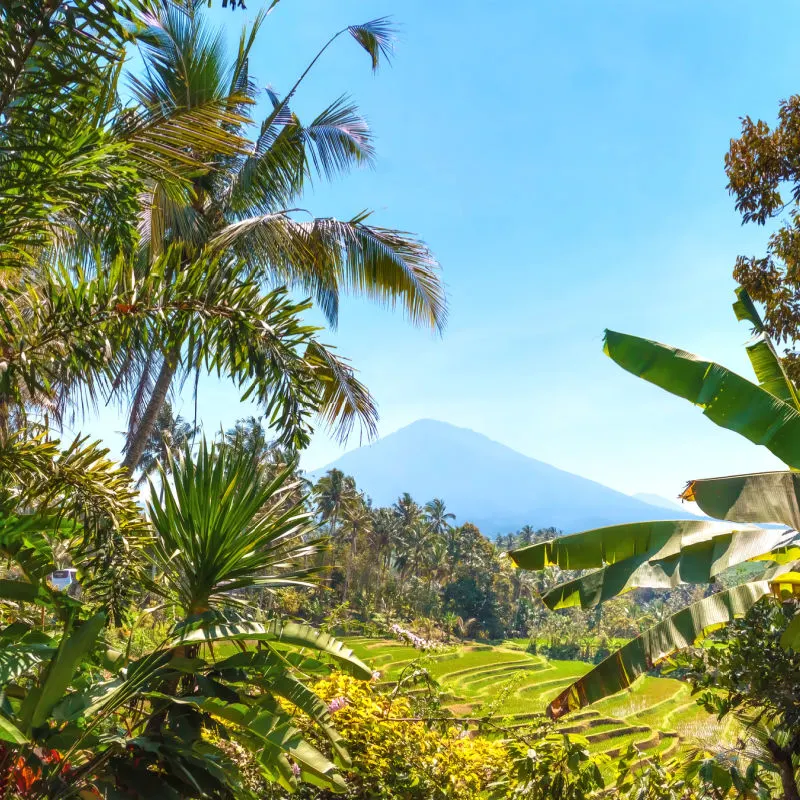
[487,483]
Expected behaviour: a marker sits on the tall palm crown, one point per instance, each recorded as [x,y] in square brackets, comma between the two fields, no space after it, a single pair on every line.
[334,491]
[438,516]
[169,437]
[245,207]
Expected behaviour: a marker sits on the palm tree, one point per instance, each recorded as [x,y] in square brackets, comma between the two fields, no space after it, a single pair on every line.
[438,517]
[382,537]
[169,437]
[526,535]
[407,511]
[245,208]
[357,523]
[334,491]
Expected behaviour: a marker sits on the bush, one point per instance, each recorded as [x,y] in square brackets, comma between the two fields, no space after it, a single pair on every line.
[398,757]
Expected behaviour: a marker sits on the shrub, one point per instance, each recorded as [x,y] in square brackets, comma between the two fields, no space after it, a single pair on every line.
[396,756]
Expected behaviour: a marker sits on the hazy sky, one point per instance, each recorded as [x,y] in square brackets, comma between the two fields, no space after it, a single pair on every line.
[565,163]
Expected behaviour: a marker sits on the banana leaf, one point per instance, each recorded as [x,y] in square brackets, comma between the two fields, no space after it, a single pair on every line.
[289,633]
[726,398]
[699,560]
[759,497]
[764,359]
[614,543]
[40,700]
[639,655]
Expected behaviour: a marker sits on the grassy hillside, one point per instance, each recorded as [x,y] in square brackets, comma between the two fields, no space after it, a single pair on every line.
[656,714]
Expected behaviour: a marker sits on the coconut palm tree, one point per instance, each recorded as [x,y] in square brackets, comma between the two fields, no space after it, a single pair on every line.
[334,492]
[169,437]
[438,517]
[246,207]
[356,525]
[407,511]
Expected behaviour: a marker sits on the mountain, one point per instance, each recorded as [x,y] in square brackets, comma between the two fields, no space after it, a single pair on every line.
[664,502]
[486,483]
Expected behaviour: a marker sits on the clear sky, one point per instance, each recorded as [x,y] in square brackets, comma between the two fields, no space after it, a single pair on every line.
[565,163]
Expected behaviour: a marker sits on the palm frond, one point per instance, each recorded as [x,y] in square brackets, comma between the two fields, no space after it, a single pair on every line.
[339,137]
[377,38]
[344,399]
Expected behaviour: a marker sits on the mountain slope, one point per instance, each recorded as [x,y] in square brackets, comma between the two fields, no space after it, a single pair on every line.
[662,502]
[486,483]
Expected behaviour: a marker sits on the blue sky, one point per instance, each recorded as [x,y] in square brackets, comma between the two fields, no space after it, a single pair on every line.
[565,163]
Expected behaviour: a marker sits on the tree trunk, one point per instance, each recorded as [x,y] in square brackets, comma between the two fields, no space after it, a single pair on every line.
[783,760]
[138,439]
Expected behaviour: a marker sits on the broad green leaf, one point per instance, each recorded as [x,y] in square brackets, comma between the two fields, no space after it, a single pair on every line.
[790,640]
[759,497]
[746,311]
[289,633]
[10,732]
[763,357]
[726,398]
[301,696]
[639,655]
[602,546]
[699,559]
[41,700]
[19,591]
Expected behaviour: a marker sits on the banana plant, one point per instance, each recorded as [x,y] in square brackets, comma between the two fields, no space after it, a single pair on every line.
[666,554]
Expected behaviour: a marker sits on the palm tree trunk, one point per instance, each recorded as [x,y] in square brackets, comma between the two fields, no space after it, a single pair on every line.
[138,439]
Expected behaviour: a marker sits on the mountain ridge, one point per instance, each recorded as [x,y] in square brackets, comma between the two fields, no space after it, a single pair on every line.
[486,482]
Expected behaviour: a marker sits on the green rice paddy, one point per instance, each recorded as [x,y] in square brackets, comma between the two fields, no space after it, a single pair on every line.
[657,715]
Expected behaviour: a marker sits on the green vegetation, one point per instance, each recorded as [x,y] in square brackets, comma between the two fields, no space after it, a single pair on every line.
[150,233]
[664,554]
[516,686]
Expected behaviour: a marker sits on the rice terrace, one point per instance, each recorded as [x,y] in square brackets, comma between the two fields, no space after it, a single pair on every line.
[657,715]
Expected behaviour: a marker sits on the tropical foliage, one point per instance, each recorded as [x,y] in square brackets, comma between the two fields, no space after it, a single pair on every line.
[666,554]
[145,234]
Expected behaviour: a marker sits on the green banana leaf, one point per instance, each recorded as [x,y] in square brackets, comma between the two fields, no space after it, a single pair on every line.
[699,560]
[790,640]
[11,733]
[726,398]
[286,632]
[41,699]
[277,736]
[758,497]
[299,695]
[639,655]
[614,543]
[764,359]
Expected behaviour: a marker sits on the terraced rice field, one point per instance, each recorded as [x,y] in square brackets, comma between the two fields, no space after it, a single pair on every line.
[655,714]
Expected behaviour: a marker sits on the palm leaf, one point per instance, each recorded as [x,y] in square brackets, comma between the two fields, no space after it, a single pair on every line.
[639,655]
[291,633]
[41,699]
[376,37]
[344,399]
[726,398]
